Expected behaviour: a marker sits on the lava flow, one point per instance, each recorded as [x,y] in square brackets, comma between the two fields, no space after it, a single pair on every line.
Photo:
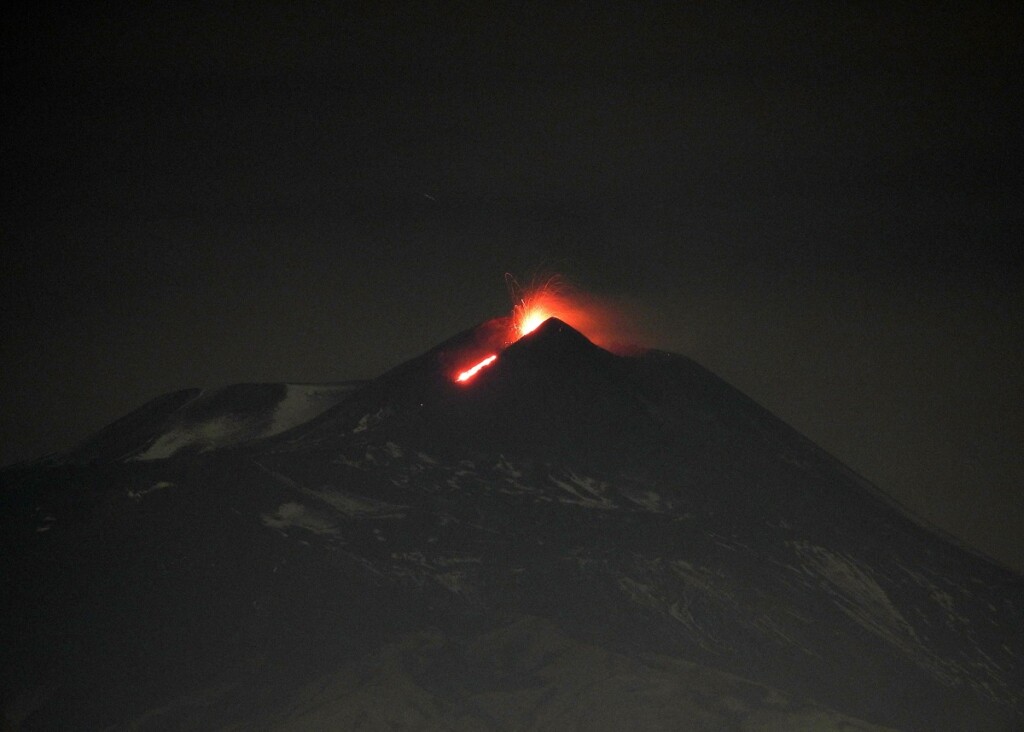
[473,370]
[532,306]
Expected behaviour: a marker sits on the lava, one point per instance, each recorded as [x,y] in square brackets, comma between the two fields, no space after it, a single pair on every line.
[534,304]
[531,321]
[601,322]
[474,370]
[531,307]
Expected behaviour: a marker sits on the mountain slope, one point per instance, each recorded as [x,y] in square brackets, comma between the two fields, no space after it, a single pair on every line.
[570,530]
[193,420]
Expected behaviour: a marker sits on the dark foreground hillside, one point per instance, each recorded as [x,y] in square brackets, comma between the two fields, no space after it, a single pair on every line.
[572,540]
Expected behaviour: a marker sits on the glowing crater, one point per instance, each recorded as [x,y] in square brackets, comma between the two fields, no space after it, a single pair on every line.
[535,304]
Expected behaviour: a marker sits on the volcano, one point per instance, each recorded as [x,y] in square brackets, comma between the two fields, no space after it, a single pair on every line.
[571,540]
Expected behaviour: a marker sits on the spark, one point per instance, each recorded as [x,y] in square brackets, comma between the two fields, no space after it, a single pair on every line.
[532,320]
[474,370]
[532,305]
[550,297]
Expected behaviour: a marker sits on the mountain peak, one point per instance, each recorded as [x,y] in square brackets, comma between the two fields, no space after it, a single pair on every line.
[554,347]
[556,331]
[565,503]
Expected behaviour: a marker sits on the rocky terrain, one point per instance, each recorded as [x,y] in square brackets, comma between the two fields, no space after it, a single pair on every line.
[572,540]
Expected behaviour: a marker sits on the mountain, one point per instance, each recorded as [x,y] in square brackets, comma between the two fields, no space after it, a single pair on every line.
[571,539]
[193,420]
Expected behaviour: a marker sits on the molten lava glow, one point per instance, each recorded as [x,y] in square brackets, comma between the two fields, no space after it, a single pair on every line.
[474,370]
[537,303]
[599,321]
[531,321]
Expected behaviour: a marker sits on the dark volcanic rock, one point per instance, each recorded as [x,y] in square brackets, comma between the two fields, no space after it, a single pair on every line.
[572,540]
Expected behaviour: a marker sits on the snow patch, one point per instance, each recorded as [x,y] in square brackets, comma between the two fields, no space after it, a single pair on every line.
[302,403]
[504,466]
[698,602]
[645,499]
[450,571]
[208,435]
[350,504]
[158,486]
[354,505]
[369,421]
[855,591]
[586,492]
[296,515]
[940,597]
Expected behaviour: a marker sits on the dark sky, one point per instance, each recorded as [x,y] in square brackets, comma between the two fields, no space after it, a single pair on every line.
[824,206]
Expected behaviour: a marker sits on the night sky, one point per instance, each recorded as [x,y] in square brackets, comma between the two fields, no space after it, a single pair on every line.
[823,206]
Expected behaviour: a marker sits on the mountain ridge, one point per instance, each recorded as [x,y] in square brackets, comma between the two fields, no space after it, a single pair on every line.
[631,504]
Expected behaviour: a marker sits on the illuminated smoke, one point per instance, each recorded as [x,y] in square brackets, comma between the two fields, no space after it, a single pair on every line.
[603,322]
[552,297]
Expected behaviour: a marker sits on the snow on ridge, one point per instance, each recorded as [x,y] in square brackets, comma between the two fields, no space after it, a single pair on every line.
[586,492]
[354,505]
[344,502]
[455,572]
[858,594]
[300,404]
[158,486]
[303,402]
[208,435]
[296,515]
[696,597]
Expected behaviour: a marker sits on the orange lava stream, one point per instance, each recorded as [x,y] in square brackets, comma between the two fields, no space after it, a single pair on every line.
[549,298]
[471,372]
